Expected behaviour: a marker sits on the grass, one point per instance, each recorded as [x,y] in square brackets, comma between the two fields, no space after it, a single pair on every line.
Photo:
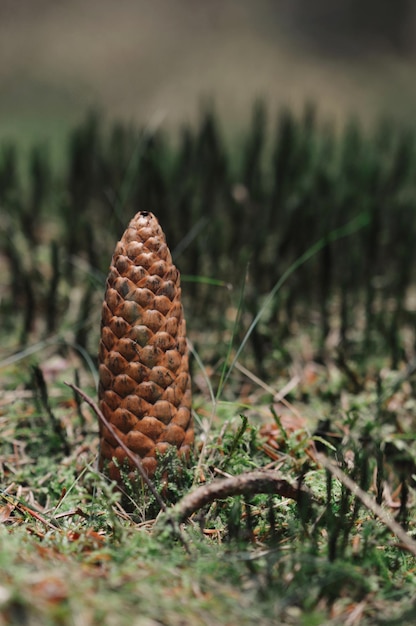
[70,554]
[335,379]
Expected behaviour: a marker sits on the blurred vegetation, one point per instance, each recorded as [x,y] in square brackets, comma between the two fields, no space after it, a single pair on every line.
[304,229]
[237,216]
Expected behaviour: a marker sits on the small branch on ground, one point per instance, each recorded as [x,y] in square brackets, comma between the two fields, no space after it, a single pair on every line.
[248,484]
[176,531]
[133,457]
[15,503]
[406,540]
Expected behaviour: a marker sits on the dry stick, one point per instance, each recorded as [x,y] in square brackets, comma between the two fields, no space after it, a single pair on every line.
[247,484]
[137,462]
[22,508]
[369,502]
[133,457]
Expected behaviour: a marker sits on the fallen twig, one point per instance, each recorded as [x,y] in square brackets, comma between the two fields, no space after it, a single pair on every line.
[15,503]
[407,542]
[133,457]
[247,484]
[137,462]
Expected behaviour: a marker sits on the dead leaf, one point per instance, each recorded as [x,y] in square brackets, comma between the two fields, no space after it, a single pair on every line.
[5,512]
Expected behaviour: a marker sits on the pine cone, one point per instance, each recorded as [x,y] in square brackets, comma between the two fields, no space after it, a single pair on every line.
[144,388]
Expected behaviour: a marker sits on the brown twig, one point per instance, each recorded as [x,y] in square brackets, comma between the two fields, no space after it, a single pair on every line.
[22,508]
[247,484]
[137,462]
[369,502]
[133,457]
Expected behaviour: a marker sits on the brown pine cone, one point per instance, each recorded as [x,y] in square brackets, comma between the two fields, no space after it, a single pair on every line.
[144,388]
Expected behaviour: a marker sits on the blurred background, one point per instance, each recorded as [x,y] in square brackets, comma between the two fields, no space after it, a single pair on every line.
[261,128]
[152,62]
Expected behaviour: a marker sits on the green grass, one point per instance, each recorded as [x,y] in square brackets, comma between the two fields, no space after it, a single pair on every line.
[230,217]
[341,346]
[69,553]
